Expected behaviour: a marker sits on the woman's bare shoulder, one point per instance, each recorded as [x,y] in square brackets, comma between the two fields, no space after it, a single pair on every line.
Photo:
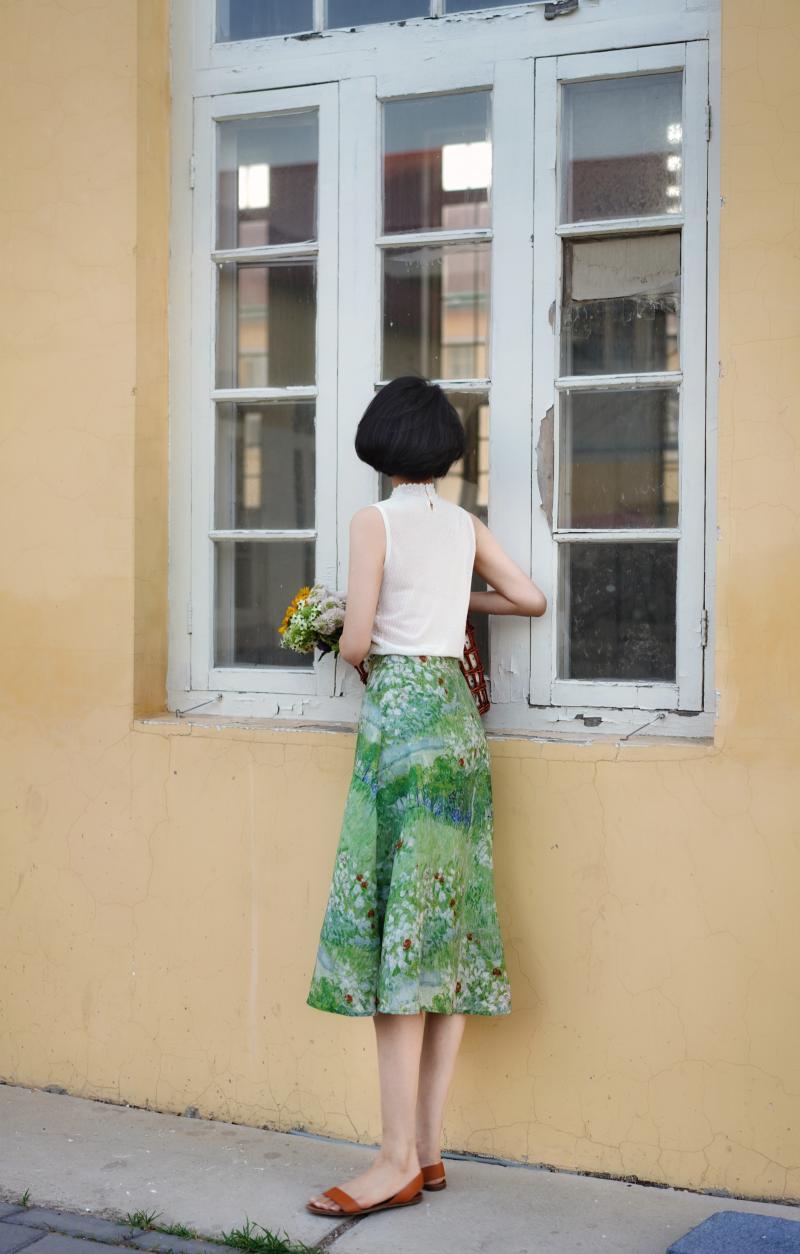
[367,516]
[478,523]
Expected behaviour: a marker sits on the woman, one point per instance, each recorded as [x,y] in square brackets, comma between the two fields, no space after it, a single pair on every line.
[410,934]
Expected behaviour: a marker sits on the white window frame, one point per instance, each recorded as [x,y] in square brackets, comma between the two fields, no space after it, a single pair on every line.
[521,58]
[210,110]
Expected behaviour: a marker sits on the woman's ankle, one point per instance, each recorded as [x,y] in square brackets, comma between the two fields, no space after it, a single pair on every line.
[403,1156]
[428,1150]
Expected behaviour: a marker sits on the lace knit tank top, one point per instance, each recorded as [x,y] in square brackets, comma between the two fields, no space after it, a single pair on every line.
[427,573]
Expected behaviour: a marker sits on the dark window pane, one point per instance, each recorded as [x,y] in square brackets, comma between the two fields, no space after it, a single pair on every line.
[617,611]
[265,465]
[618,457]
[255,581]
[267,325]
[620,307]
[621,147]
[267,180]
[367,12]
[437,162]
[435,311]
[253,19]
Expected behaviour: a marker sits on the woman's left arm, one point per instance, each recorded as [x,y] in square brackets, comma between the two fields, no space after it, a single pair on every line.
[365,572]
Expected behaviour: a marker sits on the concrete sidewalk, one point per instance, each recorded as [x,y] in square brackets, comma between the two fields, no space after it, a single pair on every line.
[109,1160]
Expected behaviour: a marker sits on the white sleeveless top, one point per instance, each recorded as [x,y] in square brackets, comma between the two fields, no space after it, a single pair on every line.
[427,573]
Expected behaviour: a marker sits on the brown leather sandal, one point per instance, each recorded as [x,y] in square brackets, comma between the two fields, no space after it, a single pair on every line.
[434,1177]
[410,1195]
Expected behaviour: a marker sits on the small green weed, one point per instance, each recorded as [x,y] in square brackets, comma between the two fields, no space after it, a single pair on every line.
[247,1239]
[244,1238]
[176,1230]
[141,1218]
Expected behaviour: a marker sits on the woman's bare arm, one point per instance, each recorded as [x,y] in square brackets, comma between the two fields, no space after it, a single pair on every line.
[365,572]
[513,592]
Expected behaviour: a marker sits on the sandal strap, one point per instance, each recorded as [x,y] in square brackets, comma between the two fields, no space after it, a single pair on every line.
[342,1199]
[411,1189]
[433,1171]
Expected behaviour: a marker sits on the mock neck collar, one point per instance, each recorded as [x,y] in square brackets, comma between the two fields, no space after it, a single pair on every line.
[415,489]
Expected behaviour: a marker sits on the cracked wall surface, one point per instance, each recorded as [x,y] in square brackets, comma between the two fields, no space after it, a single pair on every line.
[161,887]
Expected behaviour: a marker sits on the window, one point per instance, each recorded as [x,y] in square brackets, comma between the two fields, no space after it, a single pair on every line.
[626,220]
[259,19]
[525,223]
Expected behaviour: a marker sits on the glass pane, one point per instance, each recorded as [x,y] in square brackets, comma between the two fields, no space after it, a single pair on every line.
[267,180]
[252,19]
[367,12]
[617,611]
[621,147]
[467,484]
[255,581]
[618,457]
[435,311]
[467,481]
[437,165]
[267,322]
[620,307]
[265,466]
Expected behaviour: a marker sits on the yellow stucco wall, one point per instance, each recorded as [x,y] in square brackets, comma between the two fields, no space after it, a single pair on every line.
[161,888]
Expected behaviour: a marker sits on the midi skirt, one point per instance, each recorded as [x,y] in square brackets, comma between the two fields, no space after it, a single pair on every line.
[411,920]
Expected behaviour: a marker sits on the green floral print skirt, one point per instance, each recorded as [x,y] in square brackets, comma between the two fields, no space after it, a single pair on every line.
[411,920]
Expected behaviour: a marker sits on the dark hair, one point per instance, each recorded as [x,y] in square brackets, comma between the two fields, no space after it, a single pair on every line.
[410,428]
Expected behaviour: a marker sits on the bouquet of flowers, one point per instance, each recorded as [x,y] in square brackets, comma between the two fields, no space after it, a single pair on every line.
[314,618]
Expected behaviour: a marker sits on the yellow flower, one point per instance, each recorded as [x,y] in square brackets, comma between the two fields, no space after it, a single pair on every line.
[292,606]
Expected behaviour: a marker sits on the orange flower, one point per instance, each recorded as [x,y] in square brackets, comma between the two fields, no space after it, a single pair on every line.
[458,986]
[452,901]
[460,761]
[347,997]
[291,607]
[496,971]
[423,657]
[469,935]
[406,943]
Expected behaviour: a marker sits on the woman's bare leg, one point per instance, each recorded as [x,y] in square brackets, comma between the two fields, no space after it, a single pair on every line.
[399,1042]
[440,1045]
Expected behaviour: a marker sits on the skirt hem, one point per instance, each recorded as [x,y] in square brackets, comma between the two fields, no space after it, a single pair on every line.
[369,1014]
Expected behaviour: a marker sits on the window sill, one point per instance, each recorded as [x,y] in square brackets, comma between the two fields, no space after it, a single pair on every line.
[504,743]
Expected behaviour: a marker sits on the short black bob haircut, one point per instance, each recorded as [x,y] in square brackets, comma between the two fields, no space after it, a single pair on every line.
[410,429]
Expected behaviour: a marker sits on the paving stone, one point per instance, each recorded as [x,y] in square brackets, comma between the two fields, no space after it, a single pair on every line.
[57,1243]
[75,1224]
[735,1231]
[14,1237]
[6,1209]
[181,1245]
